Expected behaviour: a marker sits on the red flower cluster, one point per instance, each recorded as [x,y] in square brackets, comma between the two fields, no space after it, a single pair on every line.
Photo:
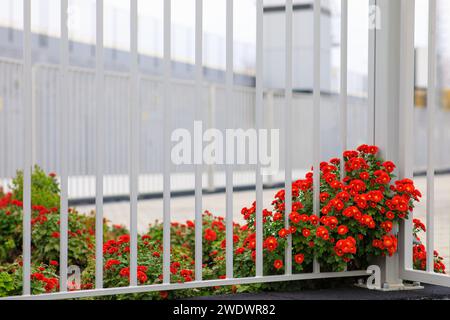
[210,235]
[420,252]
[50,284]
[353,210]
[345,246]
[389,243]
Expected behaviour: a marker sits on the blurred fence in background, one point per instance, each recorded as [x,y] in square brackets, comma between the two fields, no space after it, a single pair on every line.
[81,158]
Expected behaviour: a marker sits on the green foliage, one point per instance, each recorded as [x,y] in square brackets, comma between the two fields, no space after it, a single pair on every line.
[10,230]
[7,284]
[44,188]
[43,279]
[305,228]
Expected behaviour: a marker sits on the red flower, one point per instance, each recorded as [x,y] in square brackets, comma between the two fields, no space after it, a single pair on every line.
[278,264]
[389,166]
[37,276]
[163,294]
[299,258]
[124,239]
[125,272]
[306,232]
[277,216]
[295,217]
[210,235]
[110,263]
[322,232]
[283,233]
[142,277]
[324,196]
[342,230]
[271,243]
[190,224]
[55,234]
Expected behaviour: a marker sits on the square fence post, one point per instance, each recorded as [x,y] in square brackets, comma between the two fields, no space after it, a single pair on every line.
[386,103]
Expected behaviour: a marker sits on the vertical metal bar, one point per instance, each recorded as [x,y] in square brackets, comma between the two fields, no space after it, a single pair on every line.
[229,172]
[316,116]
[100,141]
[372,67]
[344,94]
[259,124]
[27,148]
[407,120]
[63,120]
[167,114]
[199,112]
[134,139]
[288,135]
[431,105]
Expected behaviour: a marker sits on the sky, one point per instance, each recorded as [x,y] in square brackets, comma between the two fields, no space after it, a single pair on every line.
[45,19]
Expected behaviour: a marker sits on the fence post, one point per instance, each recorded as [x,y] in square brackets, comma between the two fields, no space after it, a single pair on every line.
[387,52]
[406,135]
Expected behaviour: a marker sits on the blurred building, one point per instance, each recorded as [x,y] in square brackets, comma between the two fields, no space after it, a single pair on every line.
[303,45]
[444,51]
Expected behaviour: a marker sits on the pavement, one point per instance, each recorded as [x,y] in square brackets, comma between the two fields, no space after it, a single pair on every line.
[430,292]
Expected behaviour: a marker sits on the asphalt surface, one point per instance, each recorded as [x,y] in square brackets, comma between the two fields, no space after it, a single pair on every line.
[430,292]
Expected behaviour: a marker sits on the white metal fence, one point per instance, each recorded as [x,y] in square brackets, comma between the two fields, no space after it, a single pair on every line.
[81,108]
[105,91]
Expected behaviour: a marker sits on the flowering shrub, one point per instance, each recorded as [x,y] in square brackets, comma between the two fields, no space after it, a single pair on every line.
[43,279]
[44,188]
[420,252]
[45,233]
[358,215]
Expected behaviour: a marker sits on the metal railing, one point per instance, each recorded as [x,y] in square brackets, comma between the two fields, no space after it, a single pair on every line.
[81,162]
[135,147]
[407,143]
[136,87]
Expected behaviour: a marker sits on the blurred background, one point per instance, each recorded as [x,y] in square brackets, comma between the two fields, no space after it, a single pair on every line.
[81,104]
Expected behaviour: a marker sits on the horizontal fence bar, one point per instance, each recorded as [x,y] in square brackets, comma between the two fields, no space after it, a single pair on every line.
[425,277]
[190,285]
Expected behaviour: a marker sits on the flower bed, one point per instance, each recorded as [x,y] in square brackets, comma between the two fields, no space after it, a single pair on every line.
[356,224]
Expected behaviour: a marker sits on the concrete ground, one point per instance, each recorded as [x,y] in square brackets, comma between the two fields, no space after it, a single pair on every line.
[183,209]
[430,292]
